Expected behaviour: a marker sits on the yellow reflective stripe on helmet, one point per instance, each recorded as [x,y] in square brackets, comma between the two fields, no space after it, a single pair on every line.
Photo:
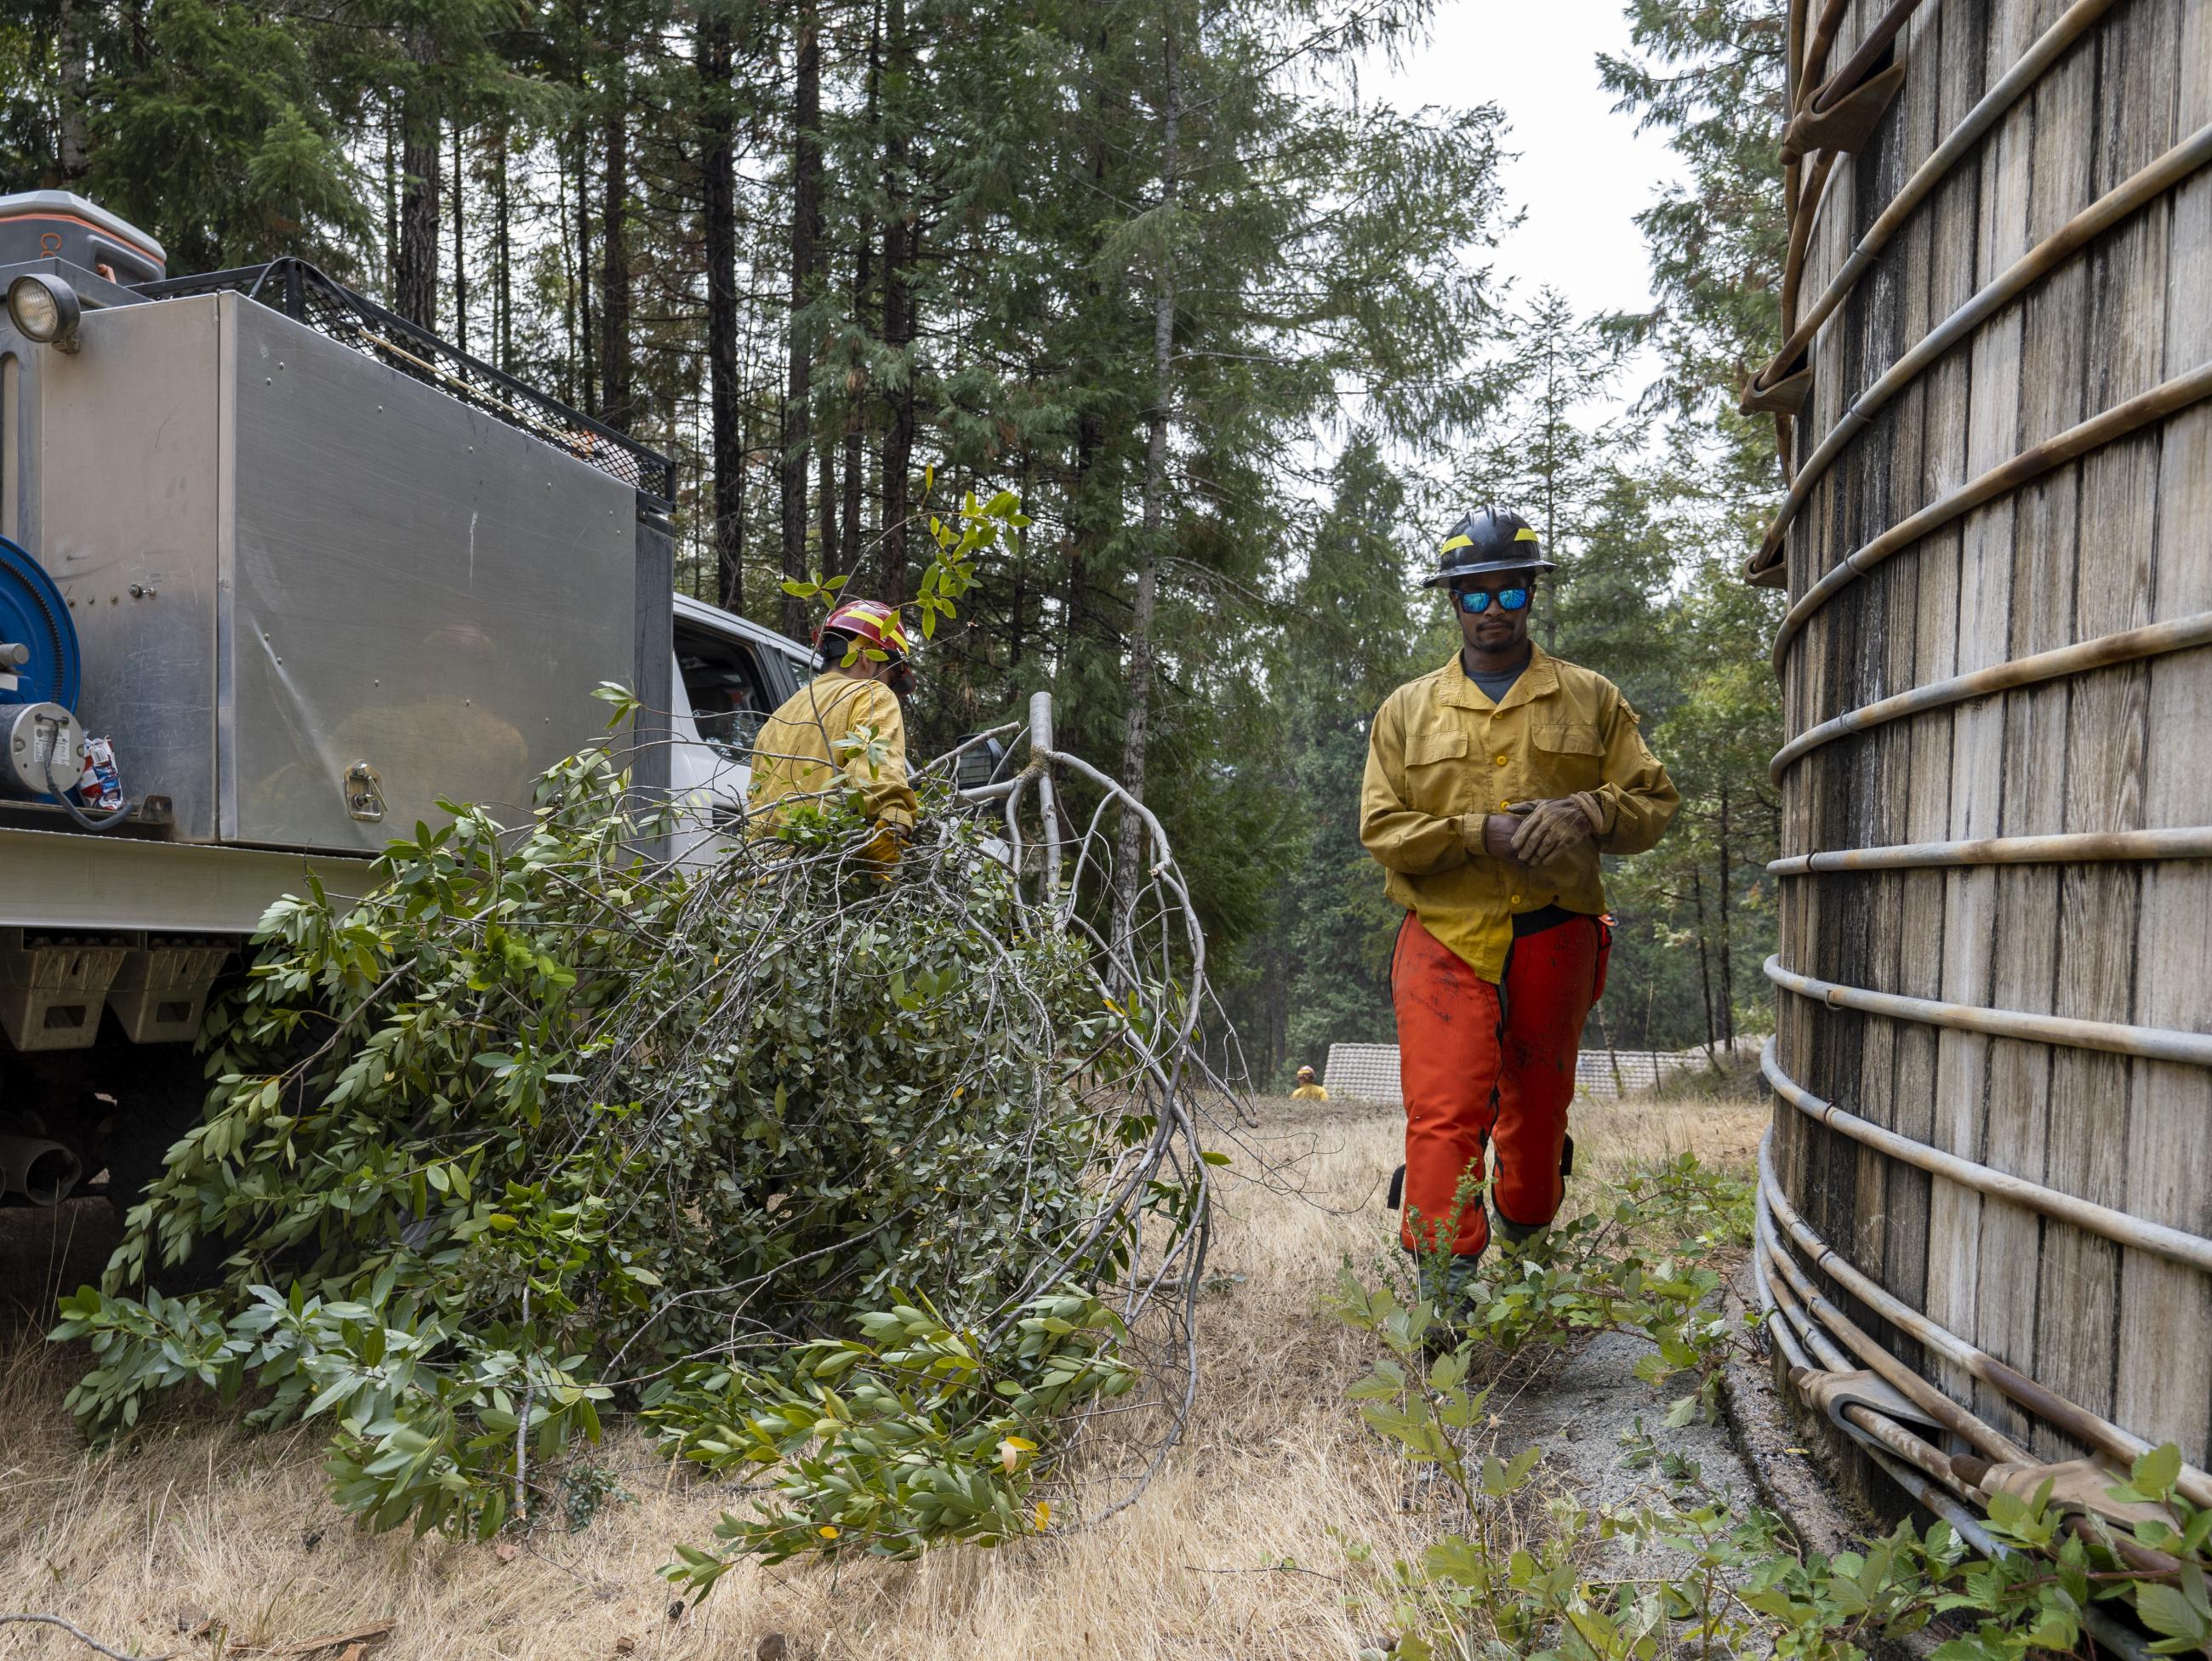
[1458,542]
[1524,534]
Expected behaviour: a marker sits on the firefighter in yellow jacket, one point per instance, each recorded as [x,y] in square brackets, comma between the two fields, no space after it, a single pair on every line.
[843,731]
[1308,1090]
[1492,785]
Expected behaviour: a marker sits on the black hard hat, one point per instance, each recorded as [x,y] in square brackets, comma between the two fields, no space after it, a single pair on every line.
[1486,540]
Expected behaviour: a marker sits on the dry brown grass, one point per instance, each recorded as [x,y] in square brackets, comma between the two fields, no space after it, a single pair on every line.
[199,1520]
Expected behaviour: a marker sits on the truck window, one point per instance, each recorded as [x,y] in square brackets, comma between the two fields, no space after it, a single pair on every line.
[729,697]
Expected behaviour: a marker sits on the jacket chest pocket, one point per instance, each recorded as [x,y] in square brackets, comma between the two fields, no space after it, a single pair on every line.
[1569,752]
[1435,771]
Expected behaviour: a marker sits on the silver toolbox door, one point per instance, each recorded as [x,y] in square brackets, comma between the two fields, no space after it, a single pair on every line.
[424,598]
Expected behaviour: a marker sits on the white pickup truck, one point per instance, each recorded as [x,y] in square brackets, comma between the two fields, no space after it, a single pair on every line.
[308,569]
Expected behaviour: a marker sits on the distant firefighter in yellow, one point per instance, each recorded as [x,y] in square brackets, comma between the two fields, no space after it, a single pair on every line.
[1308,1090]
[844,728]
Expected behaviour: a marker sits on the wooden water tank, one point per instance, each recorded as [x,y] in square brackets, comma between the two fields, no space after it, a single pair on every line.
[1988,1187]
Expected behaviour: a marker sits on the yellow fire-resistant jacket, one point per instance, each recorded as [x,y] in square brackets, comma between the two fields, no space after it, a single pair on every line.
[1440,749]
[1309,1092]
[834,728]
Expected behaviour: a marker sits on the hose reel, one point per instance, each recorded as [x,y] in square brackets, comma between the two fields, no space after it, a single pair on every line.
[39,662]
[42,747]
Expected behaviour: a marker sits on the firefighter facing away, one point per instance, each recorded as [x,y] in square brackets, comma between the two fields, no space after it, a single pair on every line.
[844,729]
[1308,1090]
[1492,785]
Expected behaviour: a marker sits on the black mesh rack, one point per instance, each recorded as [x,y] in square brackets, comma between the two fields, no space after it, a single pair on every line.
[307,295]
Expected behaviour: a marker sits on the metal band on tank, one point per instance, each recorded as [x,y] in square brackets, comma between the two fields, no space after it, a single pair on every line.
[2172,1243]
[2077,1420]
[2073,848]
[2152,182]
[2071,25]
[2033,462]
[2129,646]
[2159,1043]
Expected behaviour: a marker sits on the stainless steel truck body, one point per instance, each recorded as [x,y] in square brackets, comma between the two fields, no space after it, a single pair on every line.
[321,570]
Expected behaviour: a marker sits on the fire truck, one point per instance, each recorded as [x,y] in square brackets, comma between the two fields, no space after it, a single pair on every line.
[280,570]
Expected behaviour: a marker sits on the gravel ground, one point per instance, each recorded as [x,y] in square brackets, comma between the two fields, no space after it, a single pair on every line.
[1585,1408]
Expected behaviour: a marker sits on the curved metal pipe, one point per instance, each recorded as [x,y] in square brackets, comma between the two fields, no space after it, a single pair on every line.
[1817,181]
[1774,1318]
[2158,1043]
[1813,71]
[2002,96]
[2187,842]
[2033,462]
[2100,215]
[1774,1300]
[1962,1422]
[2128,646]
[2172,1243]
[2075,1420]
[1041,742]
[42,1172]
[1810,1332]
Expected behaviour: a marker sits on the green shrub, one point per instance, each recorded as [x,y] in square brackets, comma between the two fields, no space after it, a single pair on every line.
[1713,1578]
[805,1160]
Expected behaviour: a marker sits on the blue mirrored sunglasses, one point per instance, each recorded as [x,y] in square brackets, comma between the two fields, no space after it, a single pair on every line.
[1476,601]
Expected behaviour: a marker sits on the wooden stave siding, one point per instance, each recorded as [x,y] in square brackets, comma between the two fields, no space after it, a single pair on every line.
[2123,1332]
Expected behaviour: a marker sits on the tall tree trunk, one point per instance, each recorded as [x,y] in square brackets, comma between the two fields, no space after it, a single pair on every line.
[806,216]
[572,360]
[1728,969]
[900,240]
[719,170]
[864,275]
[587,334]
[1020,599]
[1094,500]
[1604,1032]
[828,489]
[74,152]
[1126,871]
[1704,960]
[460,249]
[391,120]
[849,558]
[618,409]
[504,294]
[415,287]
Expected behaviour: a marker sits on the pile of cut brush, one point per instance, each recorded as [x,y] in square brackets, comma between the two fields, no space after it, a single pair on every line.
[877,1179]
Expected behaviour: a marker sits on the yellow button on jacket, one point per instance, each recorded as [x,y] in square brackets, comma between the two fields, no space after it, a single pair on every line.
[817,738]
[1440,749]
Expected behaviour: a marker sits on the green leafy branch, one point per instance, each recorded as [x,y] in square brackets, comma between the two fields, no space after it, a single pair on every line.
[974,528]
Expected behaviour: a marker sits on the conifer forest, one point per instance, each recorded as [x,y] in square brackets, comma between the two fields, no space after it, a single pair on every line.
[1228,327]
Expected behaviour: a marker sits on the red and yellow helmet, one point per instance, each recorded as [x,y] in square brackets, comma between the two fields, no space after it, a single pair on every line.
[872,623]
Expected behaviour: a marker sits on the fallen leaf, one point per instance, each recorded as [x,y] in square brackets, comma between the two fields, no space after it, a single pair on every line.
[504,1551]
[624,1645]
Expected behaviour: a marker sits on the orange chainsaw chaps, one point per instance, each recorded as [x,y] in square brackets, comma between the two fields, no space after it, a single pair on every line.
[1486,1066]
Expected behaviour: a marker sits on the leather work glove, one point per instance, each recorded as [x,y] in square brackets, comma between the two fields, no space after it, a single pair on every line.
[1548,829]
[1489,833]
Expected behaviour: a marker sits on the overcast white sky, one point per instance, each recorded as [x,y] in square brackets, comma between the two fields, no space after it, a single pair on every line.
[1580,173]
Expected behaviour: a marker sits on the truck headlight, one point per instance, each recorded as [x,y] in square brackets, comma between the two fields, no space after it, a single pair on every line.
[44,309]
